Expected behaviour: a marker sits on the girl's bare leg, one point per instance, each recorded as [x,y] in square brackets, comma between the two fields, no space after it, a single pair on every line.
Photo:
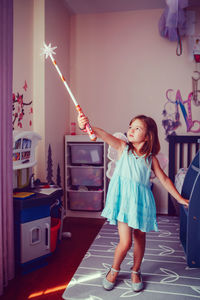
[125,242]
[138,252]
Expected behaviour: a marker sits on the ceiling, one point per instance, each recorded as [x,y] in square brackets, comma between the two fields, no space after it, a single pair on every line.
[103,6]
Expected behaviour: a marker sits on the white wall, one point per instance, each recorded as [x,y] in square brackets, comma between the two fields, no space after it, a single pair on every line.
[57,32]
[121,67]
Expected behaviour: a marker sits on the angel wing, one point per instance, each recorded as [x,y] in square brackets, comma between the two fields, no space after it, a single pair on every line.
[163,161]
[113,157]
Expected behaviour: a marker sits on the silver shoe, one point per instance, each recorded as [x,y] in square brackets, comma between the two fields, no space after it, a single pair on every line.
[137,287]
[107,284]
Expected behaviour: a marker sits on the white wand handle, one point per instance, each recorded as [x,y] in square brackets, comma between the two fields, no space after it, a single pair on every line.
[64,81]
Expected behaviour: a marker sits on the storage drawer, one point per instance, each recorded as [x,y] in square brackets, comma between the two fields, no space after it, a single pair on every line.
[87,176]
[86,154]
[85,200]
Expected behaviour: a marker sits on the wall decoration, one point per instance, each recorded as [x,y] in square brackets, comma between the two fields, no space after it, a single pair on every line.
[196,48]
[195,89]
[173,109]
[25,86]
[20,109]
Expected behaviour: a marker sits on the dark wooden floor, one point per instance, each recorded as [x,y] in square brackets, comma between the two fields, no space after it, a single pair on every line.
[49,282]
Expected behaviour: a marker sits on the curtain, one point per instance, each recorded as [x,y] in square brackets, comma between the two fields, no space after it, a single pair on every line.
[6,172]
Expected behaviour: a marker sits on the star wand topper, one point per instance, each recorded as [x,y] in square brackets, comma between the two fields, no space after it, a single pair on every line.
[48,51]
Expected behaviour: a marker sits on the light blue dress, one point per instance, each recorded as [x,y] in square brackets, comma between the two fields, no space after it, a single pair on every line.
[129,197]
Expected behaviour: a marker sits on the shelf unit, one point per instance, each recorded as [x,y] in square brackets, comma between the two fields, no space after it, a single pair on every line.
[85,176]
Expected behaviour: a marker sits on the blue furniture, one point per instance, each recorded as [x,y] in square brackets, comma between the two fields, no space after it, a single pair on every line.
[190,217]
[181,149]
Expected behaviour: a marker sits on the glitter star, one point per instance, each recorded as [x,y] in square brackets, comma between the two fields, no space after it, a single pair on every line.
[48,50]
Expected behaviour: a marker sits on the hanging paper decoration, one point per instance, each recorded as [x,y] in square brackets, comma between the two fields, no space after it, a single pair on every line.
[172,19]
[172,24]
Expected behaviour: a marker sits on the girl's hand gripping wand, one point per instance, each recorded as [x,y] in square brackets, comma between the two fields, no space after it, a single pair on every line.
[49,51]
[88,128]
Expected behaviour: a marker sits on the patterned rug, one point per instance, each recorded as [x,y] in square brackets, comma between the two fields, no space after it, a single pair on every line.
[164,270]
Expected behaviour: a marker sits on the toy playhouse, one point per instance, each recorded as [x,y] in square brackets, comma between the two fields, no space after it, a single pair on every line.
[37,217]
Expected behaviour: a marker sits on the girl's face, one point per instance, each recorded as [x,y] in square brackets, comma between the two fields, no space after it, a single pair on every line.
[137,132]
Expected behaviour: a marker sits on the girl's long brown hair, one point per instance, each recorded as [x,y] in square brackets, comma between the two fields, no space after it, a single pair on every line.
[152,144]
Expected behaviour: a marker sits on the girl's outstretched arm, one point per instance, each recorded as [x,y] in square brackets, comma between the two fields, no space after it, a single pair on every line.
[167,183]
[108,138]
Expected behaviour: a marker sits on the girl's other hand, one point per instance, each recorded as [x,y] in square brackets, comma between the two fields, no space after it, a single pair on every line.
[82,121]
[184,201]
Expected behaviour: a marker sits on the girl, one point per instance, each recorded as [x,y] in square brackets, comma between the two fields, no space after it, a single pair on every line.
[130,202]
